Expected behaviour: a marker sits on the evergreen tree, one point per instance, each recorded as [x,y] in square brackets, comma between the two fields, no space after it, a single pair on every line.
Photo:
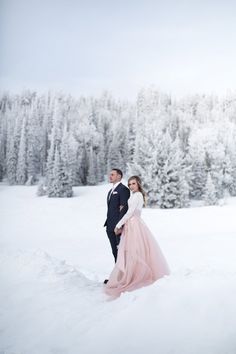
[56,187]
[14,119]
[184,199]
[197,175]
[2,152]
[33,143]
[165,176]
[61,186]
[115,157]
[21,171]
[92,173]
[67,179]
[42,190]
[50,168]
[12,162]
[210,195]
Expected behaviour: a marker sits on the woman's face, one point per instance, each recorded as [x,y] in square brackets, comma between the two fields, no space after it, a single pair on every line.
[133,185]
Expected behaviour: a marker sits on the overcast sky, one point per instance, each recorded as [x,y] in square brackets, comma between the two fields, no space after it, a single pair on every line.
[84,47]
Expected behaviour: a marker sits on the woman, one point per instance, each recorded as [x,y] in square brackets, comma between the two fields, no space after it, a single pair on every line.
[140,261]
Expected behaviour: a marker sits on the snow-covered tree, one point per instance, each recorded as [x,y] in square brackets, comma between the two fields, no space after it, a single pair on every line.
[42,189]
[2,151]
[170,186]
[60,185]
[14,121]
[21,170]
[92,171]
[210,195]
[33,143]
[67,179]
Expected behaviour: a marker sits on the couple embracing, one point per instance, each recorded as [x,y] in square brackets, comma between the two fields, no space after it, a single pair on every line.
[139,260]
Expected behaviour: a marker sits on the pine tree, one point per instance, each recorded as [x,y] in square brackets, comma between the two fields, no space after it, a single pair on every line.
[197,175]
[59,178]
[14,119]
[184,200]
[210,195]
[165,180]
[54,141]
[229,171]
[50,167]
[33,143]
[12,162]
[21,171]
[56,187]
[114,155]
[227,176]
[41,190]
[2,151]
[66,168]
[92,173]
[72,147]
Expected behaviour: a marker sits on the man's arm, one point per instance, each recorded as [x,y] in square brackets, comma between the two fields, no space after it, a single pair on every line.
[124,196]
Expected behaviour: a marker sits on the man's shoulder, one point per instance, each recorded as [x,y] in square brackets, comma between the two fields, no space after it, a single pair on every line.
[121,186]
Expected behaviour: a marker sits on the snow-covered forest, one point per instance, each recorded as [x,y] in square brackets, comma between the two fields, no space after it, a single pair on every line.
[182,149]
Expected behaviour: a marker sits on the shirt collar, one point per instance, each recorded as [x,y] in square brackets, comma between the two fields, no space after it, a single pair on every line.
[115,185]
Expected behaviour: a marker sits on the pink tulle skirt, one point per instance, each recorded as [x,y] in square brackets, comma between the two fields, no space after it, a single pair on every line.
[140,261]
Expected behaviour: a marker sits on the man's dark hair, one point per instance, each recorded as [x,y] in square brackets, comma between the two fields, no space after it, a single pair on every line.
[118,171]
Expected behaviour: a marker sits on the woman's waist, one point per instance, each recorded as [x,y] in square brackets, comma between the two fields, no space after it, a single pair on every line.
[136,215]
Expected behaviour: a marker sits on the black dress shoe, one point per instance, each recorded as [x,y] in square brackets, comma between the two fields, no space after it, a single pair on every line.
[105,281]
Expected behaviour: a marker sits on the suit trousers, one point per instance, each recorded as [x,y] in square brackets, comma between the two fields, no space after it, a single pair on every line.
[114,241]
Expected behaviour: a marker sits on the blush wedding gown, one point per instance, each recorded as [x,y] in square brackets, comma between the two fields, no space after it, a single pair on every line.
[140,261]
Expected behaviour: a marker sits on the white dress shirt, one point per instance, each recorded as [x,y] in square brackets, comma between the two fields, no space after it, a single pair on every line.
[113,188]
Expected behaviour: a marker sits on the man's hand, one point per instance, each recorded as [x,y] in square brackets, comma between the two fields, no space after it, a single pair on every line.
[117,231]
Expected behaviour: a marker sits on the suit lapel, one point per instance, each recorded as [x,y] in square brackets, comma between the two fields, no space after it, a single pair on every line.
[109,199]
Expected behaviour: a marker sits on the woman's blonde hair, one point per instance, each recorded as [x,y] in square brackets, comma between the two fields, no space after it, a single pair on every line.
[140,187]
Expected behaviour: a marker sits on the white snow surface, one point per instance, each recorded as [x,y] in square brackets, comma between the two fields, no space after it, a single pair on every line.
[54,256]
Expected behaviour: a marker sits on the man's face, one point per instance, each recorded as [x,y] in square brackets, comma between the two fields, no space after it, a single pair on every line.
[114,177]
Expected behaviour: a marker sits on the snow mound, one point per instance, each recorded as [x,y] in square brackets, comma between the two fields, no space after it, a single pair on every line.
[39,265]
[44,301]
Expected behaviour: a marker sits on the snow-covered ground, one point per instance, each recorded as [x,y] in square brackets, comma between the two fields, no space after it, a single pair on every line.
[54,256]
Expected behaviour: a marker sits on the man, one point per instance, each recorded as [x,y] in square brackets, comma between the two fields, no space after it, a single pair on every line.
[117,206]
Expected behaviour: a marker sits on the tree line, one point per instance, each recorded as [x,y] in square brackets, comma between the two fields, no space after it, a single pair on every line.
[182,149]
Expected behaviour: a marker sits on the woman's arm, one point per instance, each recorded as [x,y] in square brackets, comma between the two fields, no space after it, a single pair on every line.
[134,201]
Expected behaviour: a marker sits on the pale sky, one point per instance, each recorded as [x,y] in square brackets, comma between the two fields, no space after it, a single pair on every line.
[85,47]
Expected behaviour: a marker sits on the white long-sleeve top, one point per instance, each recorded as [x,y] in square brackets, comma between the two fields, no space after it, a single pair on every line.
[135,202]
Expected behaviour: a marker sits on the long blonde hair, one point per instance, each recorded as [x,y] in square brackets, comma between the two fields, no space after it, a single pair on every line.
[140,187]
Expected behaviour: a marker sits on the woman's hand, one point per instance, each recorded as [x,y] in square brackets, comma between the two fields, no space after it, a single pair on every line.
[117,231]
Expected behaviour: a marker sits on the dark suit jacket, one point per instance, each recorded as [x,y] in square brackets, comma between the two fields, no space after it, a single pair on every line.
[119,197]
